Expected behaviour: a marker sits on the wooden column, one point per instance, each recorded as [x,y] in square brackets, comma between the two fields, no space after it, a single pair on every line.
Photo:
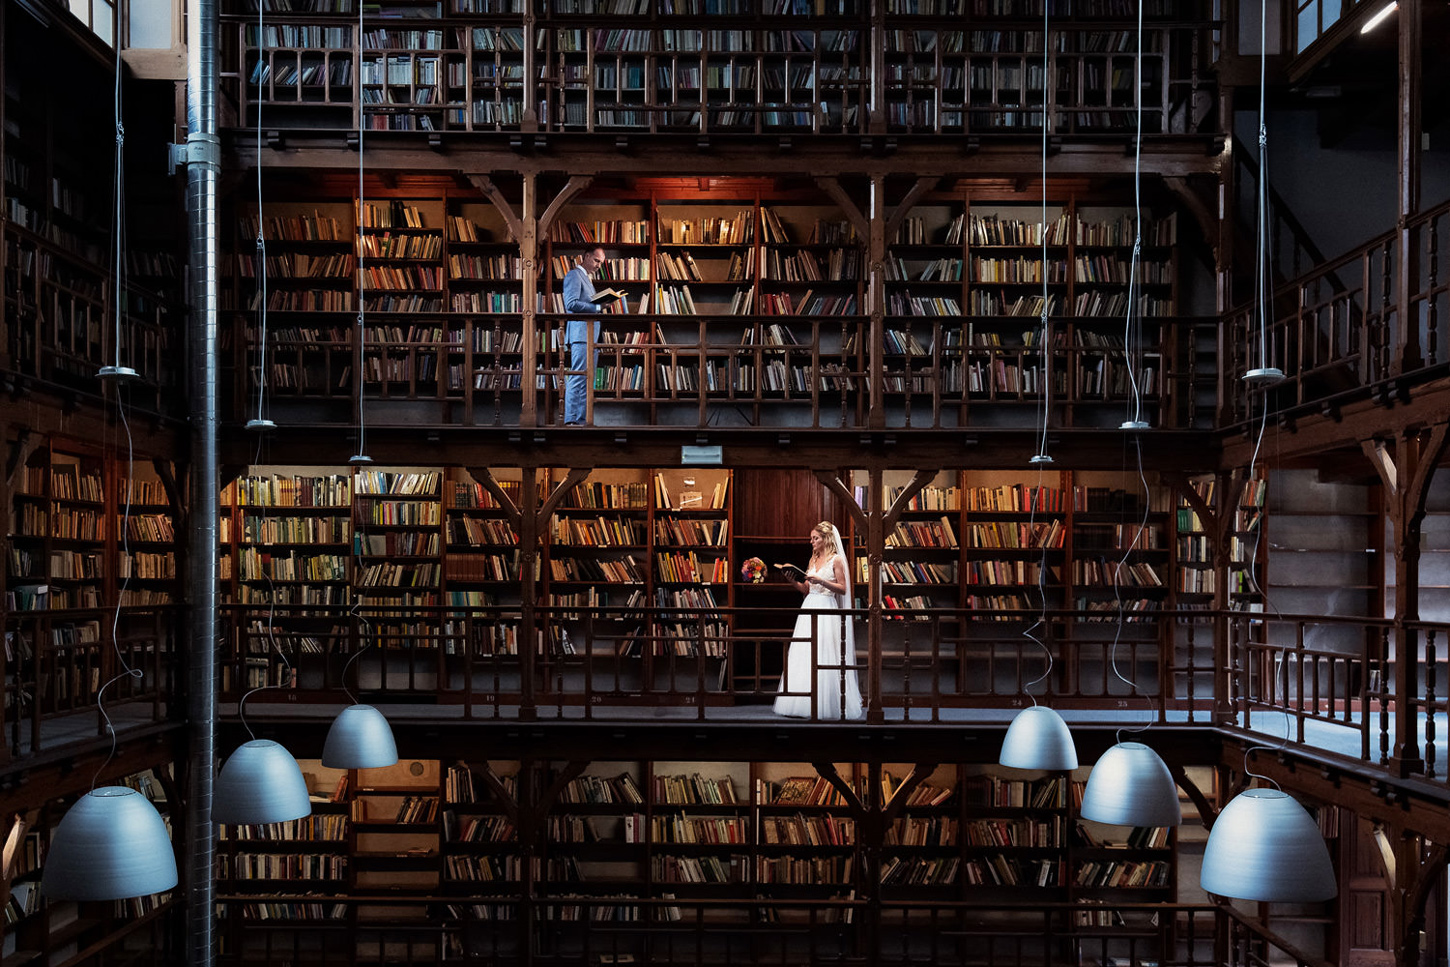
[1408,264]
[1223,252]
[1406,474]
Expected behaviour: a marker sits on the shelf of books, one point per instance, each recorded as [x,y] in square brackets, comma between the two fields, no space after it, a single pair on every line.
[90,571]
[742,302]
[397,569]
[482,569]
[60,325]
[500,850]
[1197,559]
[484,361]
[432,560]
[1006,264]
[309,270]
[286,547]
[766,68]
[713,332]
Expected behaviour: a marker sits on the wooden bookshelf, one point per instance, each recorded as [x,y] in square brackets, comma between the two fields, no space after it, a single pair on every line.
[698,831]
[87,574]
[769,327]
[747,68]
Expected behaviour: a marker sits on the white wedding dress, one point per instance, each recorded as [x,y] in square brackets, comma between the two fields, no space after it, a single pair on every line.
[834,646]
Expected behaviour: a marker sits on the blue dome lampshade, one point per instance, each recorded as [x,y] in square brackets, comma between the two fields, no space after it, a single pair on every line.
[112,844]
[1265,846]
[360,738]
[260,783]
[1038,739]
[1131,786]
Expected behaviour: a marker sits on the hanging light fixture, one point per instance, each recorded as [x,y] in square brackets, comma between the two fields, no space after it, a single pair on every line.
[111,845]
[1265,846]
[1038,738]
[260,783]
[1131,786]
[360,738]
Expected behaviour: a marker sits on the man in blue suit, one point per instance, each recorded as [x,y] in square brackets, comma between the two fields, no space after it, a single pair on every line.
[578,293]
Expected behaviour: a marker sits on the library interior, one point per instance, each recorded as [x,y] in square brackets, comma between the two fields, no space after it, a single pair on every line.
[536,483]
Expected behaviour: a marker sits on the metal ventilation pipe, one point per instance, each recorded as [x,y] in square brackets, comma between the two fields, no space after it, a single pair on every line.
[203,165]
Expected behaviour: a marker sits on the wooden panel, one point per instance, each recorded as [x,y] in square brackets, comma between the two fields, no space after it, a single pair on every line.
[784,504]
[1366,920]
[1365,934]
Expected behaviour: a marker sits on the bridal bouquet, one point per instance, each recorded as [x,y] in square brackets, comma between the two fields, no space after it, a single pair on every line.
[753,570]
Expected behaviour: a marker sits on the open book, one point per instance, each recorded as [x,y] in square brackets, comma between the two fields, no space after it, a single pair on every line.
[607,295]
[790,571]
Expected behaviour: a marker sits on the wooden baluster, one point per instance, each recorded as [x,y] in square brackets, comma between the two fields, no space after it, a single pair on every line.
[1384,695]
[1432,306]
[1191,668]
[1429,705]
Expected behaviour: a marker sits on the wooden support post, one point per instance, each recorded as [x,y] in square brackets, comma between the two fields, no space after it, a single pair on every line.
[1406,474]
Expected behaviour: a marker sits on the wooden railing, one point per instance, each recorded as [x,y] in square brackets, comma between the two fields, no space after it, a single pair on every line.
[543,930]
[925,661]
[53,667]
[713,371]
[764,73]
[1339,333]
[1333,678]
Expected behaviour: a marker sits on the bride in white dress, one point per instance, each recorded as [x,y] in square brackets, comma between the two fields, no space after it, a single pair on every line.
[824,643]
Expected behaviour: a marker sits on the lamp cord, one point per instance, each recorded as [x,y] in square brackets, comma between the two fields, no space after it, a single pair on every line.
[1139,535]
[272,644]
[261,234]
[1261,226]
[1135,408]
[1133,309]
[127,565]
[1046,396]
[1031,632]
[119,286]
[120,278]
[361,257]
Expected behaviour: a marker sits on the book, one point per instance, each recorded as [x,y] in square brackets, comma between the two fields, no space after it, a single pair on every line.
[605,296]
[790,571]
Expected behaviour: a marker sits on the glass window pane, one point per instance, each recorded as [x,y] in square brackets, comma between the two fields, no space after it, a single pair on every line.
[104,24]
[82,10]
[1308,29]
[150,24]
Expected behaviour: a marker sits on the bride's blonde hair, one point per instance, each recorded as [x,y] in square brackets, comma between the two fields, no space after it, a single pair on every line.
[833,537]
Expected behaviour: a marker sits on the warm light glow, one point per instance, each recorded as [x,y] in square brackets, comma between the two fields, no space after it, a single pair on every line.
[1375,21]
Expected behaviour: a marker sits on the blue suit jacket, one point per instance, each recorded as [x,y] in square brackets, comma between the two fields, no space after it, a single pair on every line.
[578,290]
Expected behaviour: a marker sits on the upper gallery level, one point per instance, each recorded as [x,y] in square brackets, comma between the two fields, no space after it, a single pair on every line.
[727,68]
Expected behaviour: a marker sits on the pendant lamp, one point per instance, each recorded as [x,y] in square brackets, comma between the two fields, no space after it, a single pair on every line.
[261,783]
[1265,846]
[1131,786]
[111,845]
[360,738]
[1038,739]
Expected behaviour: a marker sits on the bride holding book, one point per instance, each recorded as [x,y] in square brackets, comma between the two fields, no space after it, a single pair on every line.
[820,675]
